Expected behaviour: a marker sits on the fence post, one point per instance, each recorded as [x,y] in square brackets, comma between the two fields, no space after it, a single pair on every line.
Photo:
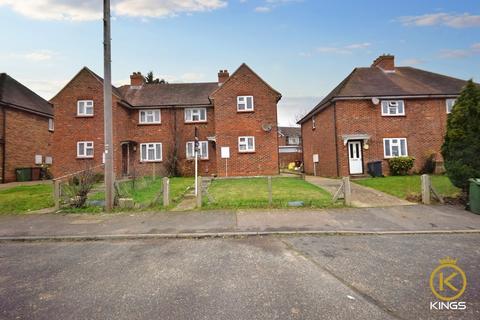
[269,179]
[347,191]
[199,192]
[426,187]
[166,192]
[56,194]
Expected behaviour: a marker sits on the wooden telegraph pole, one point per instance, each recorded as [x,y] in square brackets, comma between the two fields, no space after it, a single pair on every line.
[107,108]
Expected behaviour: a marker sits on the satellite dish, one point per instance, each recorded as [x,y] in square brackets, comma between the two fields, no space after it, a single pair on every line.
[267,127]
[375,100]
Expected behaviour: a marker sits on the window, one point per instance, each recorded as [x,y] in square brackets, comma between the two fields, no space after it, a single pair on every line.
[195,114]
[51,125]
[85,108]
[246,144]
[395,147]
[203,149]
[393,108]
[149,116]
[85,149]
[313,123]
[293,140]
[151,152]
[450,103]
[244,103]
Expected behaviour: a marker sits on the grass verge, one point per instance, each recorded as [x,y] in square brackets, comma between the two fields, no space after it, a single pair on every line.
[253,193]
[409,186]
[23,199]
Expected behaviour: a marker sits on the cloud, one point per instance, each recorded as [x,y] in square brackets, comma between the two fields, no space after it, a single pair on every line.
[292,109]
[460,53]
[263,9]
[269,5]
[465,20]
[347,49]
[40,55]
[85,10]
[412,62]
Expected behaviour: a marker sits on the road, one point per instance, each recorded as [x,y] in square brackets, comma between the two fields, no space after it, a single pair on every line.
[329,277]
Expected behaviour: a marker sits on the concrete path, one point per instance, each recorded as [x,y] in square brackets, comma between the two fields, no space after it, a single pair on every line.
[398,219]
[23,183]
[362,197]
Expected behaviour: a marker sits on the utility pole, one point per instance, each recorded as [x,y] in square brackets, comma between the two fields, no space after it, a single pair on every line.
[107,107]
[196,148]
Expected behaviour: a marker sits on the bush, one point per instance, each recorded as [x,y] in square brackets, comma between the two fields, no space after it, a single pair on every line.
[399,166]
[78,188]
[461,148]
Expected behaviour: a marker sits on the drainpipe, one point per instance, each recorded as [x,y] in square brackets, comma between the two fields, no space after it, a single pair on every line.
[336,144]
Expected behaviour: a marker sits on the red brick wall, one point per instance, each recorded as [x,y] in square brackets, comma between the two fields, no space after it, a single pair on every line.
[26,135]
[423,126]
[1,143]
[321,141]
[230,124]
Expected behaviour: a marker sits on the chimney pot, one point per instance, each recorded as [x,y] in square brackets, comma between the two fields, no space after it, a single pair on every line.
[386,62]
[136,79]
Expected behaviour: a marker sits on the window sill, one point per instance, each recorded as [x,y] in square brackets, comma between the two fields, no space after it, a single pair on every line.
[83,158]
[148,124]
[201,159]
[393,115]
[84,116]
[195,122]
[246,152]
[245,111]
[150,161]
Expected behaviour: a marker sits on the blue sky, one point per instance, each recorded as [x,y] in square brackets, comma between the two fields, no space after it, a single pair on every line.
[303,48]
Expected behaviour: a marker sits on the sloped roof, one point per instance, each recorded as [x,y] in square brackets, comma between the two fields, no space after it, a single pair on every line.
[405,81]
[16,95]
[290,131]
[169,94]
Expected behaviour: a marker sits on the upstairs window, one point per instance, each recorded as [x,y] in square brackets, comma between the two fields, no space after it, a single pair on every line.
[195,114]
[450,103]
[293,140]
[202,152]
[314,125]
[85,108]
[85,149]
[244,103]
[393,108]
[395,147]
[51,125]
[151,152]
[149,116]
[246,144]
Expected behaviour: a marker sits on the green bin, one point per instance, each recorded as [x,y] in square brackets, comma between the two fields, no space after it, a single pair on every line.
[23,174]
[474,195]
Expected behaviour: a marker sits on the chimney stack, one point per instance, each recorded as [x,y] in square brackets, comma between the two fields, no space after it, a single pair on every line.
[137,79]
[386,62]
[222,76]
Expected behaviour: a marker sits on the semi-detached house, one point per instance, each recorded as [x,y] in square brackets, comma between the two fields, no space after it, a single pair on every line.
[154,126]
[377,113]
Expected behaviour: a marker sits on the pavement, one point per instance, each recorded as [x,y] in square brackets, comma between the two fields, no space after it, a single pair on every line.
[276,277]
[400,219]
[362,197]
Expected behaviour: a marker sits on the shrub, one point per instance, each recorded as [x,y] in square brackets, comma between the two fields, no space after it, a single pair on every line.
[461,148]
[78,188]
[399,166]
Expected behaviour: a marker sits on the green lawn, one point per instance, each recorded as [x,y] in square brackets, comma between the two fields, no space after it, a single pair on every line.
[404,186]
[253,193]
[23,199]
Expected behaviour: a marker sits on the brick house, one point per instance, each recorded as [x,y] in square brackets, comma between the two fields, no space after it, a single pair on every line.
[377,113]
[26,125]
[289,145]
[154,126]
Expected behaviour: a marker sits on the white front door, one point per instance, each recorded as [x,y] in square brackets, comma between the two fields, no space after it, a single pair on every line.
[355,157]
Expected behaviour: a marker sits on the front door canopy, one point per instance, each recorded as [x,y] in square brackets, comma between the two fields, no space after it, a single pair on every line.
[357,136]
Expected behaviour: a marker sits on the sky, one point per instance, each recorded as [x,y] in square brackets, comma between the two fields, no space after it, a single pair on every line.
[302,48]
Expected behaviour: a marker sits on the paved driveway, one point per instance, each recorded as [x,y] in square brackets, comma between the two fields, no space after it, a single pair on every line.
[355,277]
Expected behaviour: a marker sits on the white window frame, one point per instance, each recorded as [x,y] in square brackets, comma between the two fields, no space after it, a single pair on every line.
[149,113]
[243,101]
[398,144]
[195,112]
[51,124]
[397,114]
[84,113]
[314,124]
[86,145]
[245,143]
[447,102]
[200,156]
[295,142]
[150,146]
